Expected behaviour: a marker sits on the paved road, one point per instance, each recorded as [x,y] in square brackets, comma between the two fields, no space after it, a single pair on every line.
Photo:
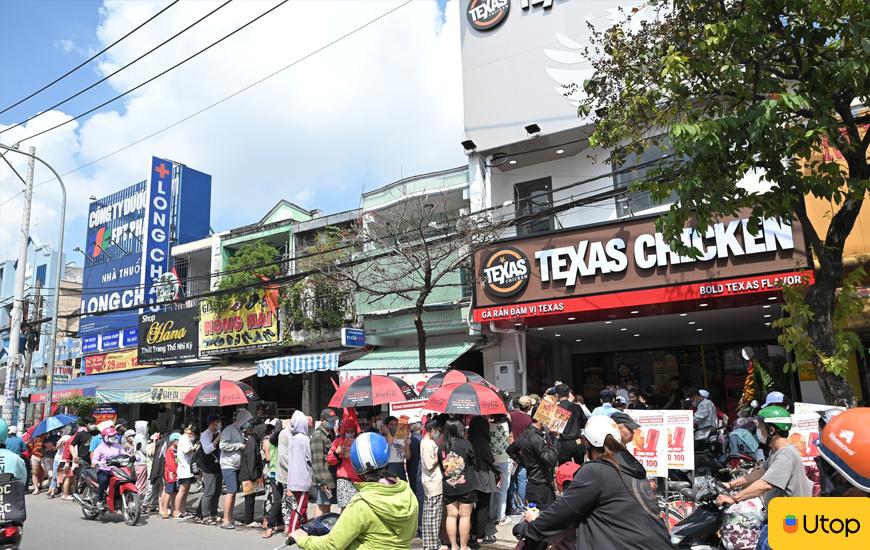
[56,523]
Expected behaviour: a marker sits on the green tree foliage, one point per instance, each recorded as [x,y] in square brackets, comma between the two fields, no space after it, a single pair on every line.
[733,87]
[246,267]
[78,405]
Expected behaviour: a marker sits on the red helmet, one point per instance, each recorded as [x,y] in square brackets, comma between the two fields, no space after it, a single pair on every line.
[108,432]
[845,445]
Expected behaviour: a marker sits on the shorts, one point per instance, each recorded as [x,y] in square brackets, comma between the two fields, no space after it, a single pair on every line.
[467,498]
[35,462]
[171,487]
[321,497]
[231,480]
[185,482]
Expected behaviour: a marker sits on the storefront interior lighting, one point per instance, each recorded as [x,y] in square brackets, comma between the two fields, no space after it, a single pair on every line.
[636,334]
[767,324]
[683,314]
[512,162]
[557,335]
[623,329]
[691,322]
[572,318]
[703,305]
[772,298]
[765,306]
[579,340]
[767,316]
[540,328]
[634,312]
[607,322]
[559,151]
[699,329]
[518,324]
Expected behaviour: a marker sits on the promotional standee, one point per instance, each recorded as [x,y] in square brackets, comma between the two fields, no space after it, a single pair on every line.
[650,443]
[413,409]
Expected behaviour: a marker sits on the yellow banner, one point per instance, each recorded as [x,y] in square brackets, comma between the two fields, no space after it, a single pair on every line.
[819,522]
[113,362]
[248,324]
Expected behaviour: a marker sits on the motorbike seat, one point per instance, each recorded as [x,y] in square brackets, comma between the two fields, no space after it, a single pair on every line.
[90,473]
[688,493]
[678,485]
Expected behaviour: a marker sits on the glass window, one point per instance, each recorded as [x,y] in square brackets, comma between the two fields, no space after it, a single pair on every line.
[632,169]
[532,199]
[40,274]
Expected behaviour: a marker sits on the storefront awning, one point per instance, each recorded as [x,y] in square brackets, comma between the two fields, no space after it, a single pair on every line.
[387,360]
[139,389]
[87,385]
[237,371]
[297,364]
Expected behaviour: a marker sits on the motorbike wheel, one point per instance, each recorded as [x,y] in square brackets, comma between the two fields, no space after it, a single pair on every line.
[89,496]
[131,507]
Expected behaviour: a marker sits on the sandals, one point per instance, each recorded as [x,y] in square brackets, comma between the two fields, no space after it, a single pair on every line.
[268,534]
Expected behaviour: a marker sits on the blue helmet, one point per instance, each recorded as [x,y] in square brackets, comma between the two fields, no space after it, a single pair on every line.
[369,452]
[4,431]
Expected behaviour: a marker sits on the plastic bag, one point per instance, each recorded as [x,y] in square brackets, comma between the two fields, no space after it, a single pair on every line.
[741,525]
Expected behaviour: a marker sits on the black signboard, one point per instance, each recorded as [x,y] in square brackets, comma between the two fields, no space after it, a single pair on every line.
[12,508]
[169,335]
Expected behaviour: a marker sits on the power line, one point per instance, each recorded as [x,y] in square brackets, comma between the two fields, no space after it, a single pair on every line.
[116,71]
[96,55]
[232,95]
[158,75]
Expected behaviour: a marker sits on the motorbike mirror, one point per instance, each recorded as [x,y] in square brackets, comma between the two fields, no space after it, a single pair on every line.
[748,353]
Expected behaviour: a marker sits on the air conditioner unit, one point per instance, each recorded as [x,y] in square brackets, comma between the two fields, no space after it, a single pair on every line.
[505,375]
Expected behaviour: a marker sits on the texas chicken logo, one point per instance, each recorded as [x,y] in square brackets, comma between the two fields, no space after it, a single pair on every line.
[505,272]
[485,15]
[790,524]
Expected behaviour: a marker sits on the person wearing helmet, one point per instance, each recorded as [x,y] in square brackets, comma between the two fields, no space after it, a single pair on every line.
[10,461]
[108,449]
[609,501]
[383,513]
[781,475]
[844,454]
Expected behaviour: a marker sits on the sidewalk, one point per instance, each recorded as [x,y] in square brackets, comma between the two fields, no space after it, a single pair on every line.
[506,540]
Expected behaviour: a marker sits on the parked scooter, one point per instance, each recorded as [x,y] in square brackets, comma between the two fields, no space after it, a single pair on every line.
[14,512]
[316,527]
[121,494]
[699,530]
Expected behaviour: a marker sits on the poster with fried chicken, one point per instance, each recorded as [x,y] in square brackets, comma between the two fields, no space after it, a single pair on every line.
[803,435]
[681,440]
[649,443]
[554,417]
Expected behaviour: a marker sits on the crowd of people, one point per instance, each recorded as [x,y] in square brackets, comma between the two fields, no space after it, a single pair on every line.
[450,480]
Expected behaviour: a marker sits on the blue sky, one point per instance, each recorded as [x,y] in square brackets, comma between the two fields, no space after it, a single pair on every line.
[357,116]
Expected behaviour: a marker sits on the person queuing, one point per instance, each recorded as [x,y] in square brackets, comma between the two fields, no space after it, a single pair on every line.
[62,467]
[606,408]
[570,448]
[187,447]
[212,479]
[705,418]
[170,477]
[520,420]
[456,459]
[36,448]
[251,470]
[609,500]
[274,518]
[413,464]
[534,452]
[486,479]
[299,477]
[140,455]
[323,485]
[499,439]
[232,442]
[10,461]
[339,459]
[157,476]
[270,462]
[782,474]
[398,446]
[432,481]
[381,516]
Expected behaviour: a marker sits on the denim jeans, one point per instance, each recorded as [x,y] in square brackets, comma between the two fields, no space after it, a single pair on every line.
[762,538]
[499,497]
[519,481]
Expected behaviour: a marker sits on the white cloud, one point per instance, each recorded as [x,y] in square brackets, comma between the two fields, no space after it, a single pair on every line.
[65,46]
[381,104]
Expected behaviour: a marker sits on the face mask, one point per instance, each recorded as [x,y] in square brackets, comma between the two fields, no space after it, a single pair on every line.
[761,435]
[393,430]
[349,435]
[330,424]
[111,440]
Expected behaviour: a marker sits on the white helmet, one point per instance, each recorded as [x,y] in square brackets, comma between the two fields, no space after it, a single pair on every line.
[598,428]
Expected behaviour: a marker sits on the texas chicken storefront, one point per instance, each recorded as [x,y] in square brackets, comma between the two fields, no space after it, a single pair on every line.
[613,304]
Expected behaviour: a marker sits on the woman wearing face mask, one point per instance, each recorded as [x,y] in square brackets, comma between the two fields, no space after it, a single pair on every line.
[433,488]
[398,447]
[108,449]
[186,448]
[338,457]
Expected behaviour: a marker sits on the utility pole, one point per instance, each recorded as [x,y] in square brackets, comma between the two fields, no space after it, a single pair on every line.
[32,343]
[18,299]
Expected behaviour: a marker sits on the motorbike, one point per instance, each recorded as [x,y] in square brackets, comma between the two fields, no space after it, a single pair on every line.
[14,512]
[121,495]
[316,527]
[700,529]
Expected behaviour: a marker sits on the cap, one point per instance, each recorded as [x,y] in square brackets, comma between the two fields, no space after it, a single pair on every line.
[704,393]
[774,398]
[174,437]
[621,399]
[327,414]
[625,420]
[535,398]
[524,401]
[121,422]
[566,472]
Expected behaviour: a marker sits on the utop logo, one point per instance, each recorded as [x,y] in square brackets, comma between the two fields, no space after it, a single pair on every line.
[505,272]
[485,15]
[790,524]
[813,522]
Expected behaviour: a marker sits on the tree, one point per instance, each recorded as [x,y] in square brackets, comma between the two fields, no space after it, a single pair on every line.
[732,87]
[408,250]
[78,405]
[250,263]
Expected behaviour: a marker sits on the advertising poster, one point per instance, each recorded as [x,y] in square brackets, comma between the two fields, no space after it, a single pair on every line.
[552,416]
[249,323]
[168,336]
[681,440]
[650,443]
[412,409]
[803,435]
[113,362]
[105,412]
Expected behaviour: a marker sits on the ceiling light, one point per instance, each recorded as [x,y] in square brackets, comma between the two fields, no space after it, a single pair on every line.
[557,335]
[635,312]
[683,314]
[704,305]
[772,298]
[578,340]
[767,324]
[571,318]
[637,334]
[768,316]
[623,329]
[607,322]
[512,162]
[540,328]
[699,329]
[765,306]
[691,322]
[518,324]
[559,151]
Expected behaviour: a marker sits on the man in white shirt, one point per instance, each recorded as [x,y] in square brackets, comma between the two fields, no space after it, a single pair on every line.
[212,480]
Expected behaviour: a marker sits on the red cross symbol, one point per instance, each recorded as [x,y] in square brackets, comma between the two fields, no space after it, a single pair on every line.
[162,170]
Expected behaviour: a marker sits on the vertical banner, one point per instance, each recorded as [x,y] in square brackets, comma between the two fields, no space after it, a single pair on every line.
[681,440]
[804,434]
[650,443]
[157,228]
[412,409]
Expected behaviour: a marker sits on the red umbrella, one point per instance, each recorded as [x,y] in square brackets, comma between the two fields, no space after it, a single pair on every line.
[452,377]
[466,398]
[375,389]
[220,393]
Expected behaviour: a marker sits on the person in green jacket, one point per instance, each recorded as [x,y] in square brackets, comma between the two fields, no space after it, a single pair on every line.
[382,515]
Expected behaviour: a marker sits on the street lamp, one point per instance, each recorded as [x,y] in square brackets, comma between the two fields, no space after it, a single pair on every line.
[52,353]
